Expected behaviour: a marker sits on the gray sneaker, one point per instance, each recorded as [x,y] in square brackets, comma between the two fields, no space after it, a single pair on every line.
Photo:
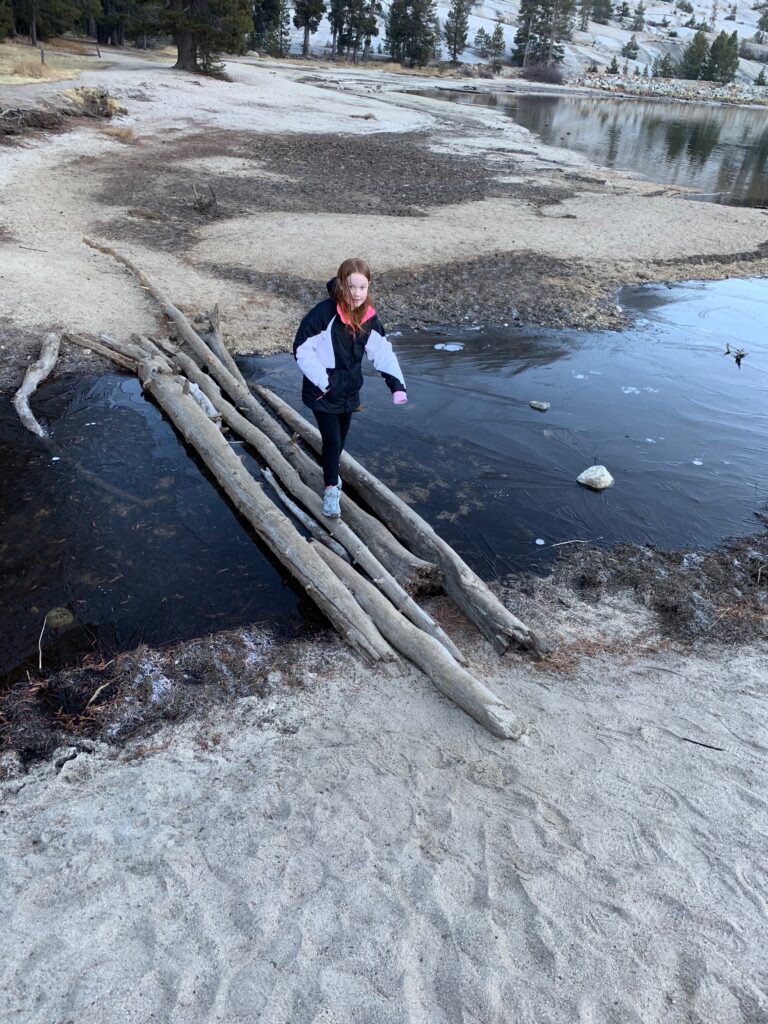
[331,506]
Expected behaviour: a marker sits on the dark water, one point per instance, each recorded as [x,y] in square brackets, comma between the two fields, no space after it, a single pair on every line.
[154,554]
[720,151]
[681,428]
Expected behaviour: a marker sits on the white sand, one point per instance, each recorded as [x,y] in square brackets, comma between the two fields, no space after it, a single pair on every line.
[360,850]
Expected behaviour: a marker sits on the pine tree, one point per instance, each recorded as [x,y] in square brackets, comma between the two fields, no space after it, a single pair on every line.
[723,59]
[762,22]
[205,29]
[6,19]
[622,11]
[638,23]
[585,13]
[410,31]
[337,17]
[457,28]
[496,48]
[264,14]
[666,67]
[481,42]
[630,49]
[601,11]
[542,25]
[307,15]
[760,80]
[613,67]
[694,56]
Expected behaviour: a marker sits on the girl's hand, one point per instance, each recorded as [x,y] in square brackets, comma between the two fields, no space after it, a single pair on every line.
[399,397]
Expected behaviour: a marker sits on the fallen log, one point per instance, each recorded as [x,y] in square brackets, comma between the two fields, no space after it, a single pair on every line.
[311,500]
[274,529]
[310,525]
[35,375]
[427,654]
[102,350]
[466,588]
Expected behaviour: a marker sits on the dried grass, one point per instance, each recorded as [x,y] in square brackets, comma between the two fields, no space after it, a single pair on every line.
[119,134]
[33,69]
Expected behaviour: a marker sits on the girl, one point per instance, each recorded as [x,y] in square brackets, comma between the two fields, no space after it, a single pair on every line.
[329,347]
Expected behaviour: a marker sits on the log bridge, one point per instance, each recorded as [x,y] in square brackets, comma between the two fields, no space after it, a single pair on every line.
[363,570]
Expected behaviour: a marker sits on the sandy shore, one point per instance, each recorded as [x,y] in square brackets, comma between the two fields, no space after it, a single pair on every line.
[344,845]
[356,849]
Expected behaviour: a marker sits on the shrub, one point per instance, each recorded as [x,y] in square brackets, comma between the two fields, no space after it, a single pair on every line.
[549,73]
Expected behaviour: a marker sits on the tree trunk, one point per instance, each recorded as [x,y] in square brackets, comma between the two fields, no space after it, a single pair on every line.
[305,48]
[186,51]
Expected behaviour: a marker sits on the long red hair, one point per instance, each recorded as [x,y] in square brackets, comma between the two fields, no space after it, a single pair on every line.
[354,314]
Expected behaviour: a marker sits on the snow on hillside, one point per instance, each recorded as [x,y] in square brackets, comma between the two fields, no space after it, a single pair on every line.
[600,43]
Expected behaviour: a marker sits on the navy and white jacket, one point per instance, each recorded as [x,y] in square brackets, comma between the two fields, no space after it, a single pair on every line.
[330,357]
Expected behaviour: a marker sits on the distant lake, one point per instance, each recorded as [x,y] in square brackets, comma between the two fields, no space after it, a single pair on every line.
[721,151]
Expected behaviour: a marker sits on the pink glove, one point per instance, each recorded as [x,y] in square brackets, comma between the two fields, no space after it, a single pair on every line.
[399,397]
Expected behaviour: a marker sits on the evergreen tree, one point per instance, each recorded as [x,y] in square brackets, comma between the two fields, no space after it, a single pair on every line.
[481,42]
[584,14]
[6,19]
[762,22]
[308,14]
[622,11]
[638,24]
[630,49]
[760,80]
[542,25]
[601,11]
[613,67]
[410,31]
[694,56]
[337,15]
[723,59]
[204,29]
[666,67]
[496,48]
[265,15]
[457,28]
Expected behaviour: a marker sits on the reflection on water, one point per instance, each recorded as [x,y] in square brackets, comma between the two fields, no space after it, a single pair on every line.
[155,555]
[682,429]
[718,150]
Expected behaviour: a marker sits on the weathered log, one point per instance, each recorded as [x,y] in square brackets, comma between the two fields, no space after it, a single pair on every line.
[311,525]
[35,375]
[275,530]
[427,654]
[466,588]
[216,342]
[311,500]
[102,350]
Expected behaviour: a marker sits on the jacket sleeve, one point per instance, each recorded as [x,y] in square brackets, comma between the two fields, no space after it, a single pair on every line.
[305,350]
[379,351]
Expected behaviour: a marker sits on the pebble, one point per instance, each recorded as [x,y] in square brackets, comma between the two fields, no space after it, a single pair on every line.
[596,477]
[539,406]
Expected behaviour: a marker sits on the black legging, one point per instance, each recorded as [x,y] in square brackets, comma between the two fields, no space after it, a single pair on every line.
[333,430]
